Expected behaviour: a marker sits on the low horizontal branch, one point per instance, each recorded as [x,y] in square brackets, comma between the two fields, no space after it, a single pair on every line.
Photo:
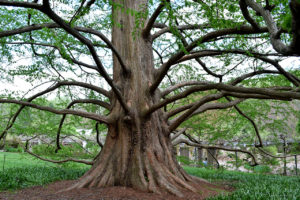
[84,114]
[189,143]
[87,162]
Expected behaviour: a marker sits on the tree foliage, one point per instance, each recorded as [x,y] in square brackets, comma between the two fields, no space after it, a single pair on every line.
[167,62]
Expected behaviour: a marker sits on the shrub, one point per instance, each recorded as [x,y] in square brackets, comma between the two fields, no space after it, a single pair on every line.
[12,149]
[262,169]
[184,160]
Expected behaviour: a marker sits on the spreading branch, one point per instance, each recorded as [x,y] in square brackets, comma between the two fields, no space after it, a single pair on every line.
[274,31]
[88,101]
[84,114]
[60,161]
[251,121]
[46,9]
[50,89]
[189,143]
[146,31]
[162,71]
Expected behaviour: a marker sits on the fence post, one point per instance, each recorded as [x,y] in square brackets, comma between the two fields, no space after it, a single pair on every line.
[4,161]
[236,160]
[296,165]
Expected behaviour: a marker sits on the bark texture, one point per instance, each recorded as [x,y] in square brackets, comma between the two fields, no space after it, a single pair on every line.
[138,152]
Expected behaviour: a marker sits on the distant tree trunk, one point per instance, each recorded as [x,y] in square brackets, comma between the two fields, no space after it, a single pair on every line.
[3,142]
[199,157]
[211,156]
[284,154]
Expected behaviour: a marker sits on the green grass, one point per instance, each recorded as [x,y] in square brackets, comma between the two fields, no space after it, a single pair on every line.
[22,170]
[251,185]
[21,160]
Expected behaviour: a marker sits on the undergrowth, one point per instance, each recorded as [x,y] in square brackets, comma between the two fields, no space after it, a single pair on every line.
[251,185]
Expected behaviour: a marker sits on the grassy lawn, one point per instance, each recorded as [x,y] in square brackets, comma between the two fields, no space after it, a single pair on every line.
[22,170]
[252,185]
[21,160]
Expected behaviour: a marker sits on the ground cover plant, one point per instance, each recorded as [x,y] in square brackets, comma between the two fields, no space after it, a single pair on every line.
[246,185]
[132,66]
[256,186]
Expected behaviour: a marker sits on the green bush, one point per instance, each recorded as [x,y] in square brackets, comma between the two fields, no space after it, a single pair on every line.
[184,160]
[73,150]
[43,149]
[262,169]
[250,186]
[16,178]
[14,150]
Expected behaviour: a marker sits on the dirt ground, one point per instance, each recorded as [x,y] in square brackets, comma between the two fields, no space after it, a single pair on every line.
[53,192]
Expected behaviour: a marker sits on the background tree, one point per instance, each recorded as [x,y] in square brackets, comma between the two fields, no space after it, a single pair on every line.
[145,67]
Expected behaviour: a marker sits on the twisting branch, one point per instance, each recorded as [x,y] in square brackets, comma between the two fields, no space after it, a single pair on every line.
[204,108]
[89,101]
[60,161]
[187,142]
[246,14]
[146,31]
[216,52]
[202,64]
[178,86]
[84,114]
[46,9]
[52,15]
[166,29]
[240,92]
[276,42]
[178,133]
[176,123]
[50,89]
[269,154]
[93,67]
[201,86]
[162,71]
[81,29]
[251,121]
[82,10]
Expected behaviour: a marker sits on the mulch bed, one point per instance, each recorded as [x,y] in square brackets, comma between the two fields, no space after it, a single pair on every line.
[51,192]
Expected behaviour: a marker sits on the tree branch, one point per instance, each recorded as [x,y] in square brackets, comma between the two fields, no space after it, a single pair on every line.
[162,71]
[46,9]
[251,121]
[60,161]
[147,29]
[50,89]
[89,101]
[246,14]
[84,114]
[176,123]
[189,143]
[277,44]
[167,29]
[178,133]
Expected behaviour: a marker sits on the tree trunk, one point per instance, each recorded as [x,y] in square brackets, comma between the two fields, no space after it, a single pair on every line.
[3,142]
[211,156]
[199,157]
[137,152]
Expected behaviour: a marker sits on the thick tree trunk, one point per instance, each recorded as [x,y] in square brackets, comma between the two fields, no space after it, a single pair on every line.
[138,152]
[141,158]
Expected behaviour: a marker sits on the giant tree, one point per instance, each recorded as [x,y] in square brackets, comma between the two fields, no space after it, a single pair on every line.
[146,66]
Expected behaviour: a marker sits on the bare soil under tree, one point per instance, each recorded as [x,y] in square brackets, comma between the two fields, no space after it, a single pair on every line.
[116,193]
